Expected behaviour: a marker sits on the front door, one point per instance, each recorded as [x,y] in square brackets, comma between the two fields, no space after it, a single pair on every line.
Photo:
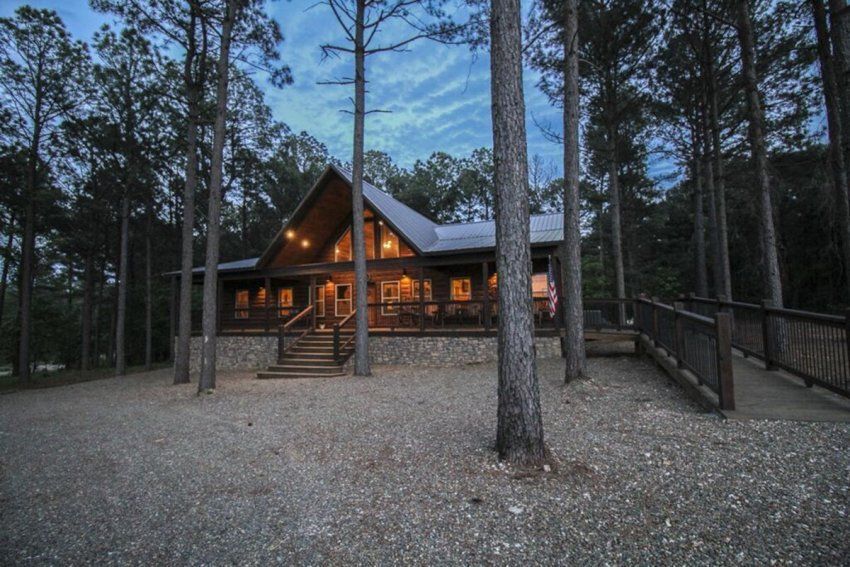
[371,299]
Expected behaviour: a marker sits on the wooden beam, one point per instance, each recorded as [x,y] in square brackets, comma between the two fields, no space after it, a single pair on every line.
[268,286]
[311,293]
[485,286]
[376,237]
[422,298]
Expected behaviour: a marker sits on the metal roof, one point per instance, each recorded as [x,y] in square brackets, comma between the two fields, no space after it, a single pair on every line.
[432,238]
[418,229]
[234,266]
[426,236]
[460,237]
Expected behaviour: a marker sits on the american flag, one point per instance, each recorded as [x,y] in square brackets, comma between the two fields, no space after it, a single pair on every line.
[553,290]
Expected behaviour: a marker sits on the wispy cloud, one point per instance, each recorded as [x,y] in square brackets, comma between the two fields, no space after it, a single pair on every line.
[438,96]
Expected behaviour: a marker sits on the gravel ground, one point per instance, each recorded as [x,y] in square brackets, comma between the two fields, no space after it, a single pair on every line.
[398,468]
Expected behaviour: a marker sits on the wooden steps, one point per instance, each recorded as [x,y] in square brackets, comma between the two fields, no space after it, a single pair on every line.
[310,357]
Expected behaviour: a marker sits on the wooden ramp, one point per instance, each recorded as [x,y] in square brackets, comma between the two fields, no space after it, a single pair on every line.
[775,394]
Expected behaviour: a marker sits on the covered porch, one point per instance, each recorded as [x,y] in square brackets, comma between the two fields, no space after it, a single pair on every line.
[458,298]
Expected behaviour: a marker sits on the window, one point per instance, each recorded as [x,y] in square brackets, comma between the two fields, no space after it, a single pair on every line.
[461,289]
[284,301]
[389,242]
[390,294]
[320,301]
[428,296]
[342,305]
[539,285]
[343,250]
[242,304]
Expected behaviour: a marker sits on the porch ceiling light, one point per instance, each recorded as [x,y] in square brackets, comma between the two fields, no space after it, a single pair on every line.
[305,243]
[290,234]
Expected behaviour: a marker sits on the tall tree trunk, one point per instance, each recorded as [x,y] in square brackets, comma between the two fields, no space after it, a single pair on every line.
[148,285]
[86,313]
[755,115]
[27,267]
[699,230]
[121,317]
[616,213]
[713,230]
[210,318]
[576,363]
[98,306]
[361,317]
[193,97]
[839,21]
[7,259]
[719,186]
[519,433]
[835,129]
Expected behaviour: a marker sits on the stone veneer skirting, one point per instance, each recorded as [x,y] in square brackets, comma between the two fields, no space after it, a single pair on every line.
[448,351]
[256,351]
[238,352]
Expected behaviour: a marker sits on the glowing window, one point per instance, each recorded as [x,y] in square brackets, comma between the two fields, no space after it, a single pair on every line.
[390,296]
[461,289]
[242,304]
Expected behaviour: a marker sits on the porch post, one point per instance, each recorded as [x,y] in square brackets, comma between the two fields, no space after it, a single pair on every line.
[376,237]
[312,295]
[219,301]
[485,276]
[422,299]
[268,285]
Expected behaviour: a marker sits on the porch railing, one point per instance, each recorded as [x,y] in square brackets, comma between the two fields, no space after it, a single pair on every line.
[811,346]
[700,344]
[599,314]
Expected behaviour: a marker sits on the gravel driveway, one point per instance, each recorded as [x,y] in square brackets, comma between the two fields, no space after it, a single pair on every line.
[398,468]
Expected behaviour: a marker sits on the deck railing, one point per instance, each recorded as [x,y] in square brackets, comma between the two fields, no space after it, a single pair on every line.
[600,314]
[811,346]
[702,345]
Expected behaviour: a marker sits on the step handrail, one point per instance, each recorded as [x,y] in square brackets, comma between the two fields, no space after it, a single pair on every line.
[337,347]
[282,347]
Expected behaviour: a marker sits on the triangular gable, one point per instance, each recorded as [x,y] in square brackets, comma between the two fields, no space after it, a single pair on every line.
[414,229]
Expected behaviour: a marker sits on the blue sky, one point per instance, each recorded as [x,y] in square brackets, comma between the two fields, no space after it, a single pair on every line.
[439,96]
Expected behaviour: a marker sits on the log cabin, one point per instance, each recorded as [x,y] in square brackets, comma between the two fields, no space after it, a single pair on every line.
[431,287]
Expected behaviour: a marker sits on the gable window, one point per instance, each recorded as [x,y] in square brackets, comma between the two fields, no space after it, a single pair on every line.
[427,283]
[390,296]
[284,301]
[342,303]
[242,304]
[461,289]
[344,248]
[320,301]
[389,242]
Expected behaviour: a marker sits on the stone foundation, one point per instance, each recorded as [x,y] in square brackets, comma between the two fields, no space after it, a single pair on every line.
[256,352]
[447,351]
[238,353]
